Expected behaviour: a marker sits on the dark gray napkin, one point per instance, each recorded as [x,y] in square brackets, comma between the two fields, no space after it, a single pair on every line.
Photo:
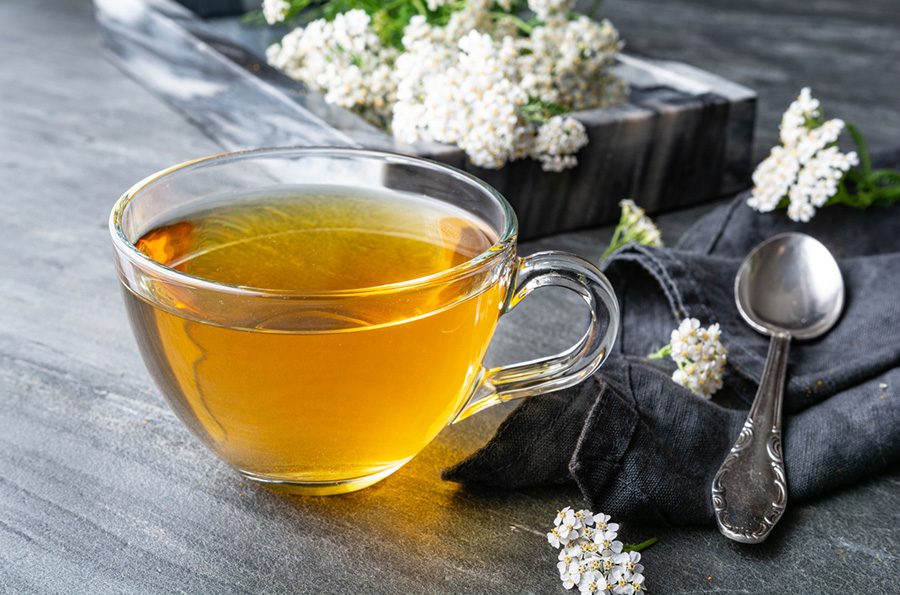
[638,445]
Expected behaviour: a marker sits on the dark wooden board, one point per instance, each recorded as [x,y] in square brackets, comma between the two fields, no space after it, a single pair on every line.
[103,491]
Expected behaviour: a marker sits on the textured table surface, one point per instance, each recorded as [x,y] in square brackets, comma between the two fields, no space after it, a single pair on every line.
[102,490]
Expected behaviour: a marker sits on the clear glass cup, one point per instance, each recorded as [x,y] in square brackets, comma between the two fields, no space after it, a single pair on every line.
[312,390]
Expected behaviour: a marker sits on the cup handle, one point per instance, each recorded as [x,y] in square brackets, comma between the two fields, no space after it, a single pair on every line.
[573,365]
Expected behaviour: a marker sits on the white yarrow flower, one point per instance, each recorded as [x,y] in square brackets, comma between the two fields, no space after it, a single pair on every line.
[593,582]
[586,517]
[590,557]
[807,167]
[629,562]
[571,575]
[466,83]
[562,515]
[700,356]
[634,227]
[621,583]
[544,9]
[618,582]
[557,141]
[602,522]
[638,226]
[275,11]
[344,59]
[606,541]
[637,583]
[568,527]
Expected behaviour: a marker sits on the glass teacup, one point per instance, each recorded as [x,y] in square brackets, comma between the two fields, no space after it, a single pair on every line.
[328,389]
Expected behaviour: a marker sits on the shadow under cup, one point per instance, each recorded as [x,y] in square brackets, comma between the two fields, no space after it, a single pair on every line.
[330,391]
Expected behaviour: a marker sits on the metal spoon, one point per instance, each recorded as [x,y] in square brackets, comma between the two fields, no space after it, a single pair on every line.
[789,287]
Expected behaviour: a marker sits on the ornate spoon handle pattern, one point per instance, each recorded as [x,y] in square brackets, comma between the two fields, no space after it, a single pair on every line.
[749,491]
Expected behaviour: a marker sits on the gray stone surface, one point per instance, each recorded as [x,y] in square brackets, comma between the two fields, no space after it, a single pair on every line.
[103,491]
[846,51]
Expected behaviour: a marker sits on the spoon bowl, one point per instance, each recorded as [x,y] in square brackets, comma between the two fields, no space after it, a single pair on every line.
[790,284]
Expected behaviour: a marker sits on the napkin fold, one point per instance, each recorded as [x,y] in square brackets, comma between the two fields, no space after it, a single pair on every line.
[639,445]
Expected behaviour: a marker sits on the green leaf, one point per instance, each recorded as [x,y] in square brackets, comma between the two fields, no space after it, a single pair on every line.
[254,18]
[539,111]
[388,18]
[889,176]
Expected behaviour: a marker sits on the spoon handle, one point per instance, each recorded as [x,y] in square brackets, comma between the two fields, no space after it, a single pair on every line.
[749,491]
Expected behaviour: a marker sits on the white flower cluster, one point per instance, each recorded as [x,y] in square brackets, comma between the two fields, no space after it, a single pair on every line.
[470,90]
[567,61]
[476,82]
[639,227]
[342,58]
[634,227]
[473,103]
[590,558]
[700,356]
[275,11]
[557,141]
[807,167]
[549,9]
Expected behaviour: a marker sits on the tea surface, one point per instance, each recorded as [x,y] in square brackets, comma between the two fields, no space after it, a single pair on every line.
[319,241]
[321,406]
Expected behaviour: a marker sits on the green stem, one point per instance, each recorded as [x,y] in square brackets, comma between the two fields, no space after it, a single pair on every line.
[636,547]
[881,187]
[521,23]
[613,244]
[663,352]
[616,242]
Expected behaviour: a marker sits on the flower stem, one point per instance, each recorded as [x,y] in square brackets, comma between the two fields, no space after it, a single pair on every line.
[420,7]
[523,25]
[663,352]
[636,547]
[615,243]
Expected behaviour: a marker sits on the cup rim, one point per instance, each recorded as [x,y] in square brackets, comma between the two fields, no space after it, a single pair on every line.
[129,250]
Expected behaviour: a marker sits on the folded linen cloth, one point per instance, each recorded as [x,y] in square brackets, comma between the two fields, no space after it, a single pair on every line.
[639,445]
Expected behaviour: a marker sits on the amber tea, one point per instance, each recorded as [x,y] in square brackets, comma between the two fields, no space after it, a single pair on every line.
[340,388]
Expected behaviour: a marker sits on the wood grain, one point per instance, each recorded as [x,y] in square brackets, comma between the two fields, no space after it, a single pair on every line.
[103,491]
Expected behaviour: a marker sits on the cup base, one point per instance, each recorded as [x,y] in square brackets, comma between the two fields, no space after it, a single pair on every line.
[321,488]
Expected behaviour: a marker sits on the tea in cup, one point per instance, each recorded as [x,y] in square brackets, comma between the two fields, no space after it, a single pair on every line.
[317,316]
